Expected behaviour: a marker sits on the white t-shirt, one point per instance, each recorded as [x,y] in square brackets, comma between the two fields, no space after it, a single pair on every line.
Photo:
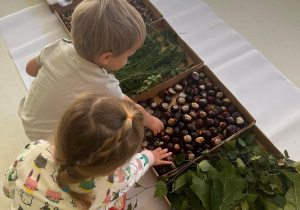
[63,75]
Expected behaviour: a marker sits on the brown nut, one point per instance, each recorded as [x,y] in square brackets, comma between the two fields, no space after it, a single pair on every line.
[199,141]
[211,114]
[171,91]
[183,82]
[174,108]
[176,148]
[231,108]
[181,125]
[211,93]
[187,138]
[186,118]
[178,88]
[210,99]
[209,85]
[231,129]
[167,114]
[207,109]
[189,99]
[188,90]
[206,134]
[235,115]
[217,110]
[202,88]
[184,133]
[193,114]
[215,141]
[162,144]
[240,121]
[163,106]
[178,115]
[185,109]
[169,131]
[226,101]
[230,121]
[189,147]
[203,93]
[173,166]
[223,125]
[202,115]
[194,91]
[218,102]
[226,114]
[144,144]
[195,76]
[220,95]
[167,99]
[191,127]
[203,102]
[190,156]
[213,130]
[180,100]
[196,98]
[166,138]
[209,122]
[194,135]
[175,140]
[199,123]
[170,146]
[172,121]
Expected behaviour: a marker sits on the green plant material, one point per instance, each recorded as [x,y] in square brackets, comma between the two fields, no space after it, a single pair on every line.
[129,207]
[161,189]
[239,176]
[137,185]
[286,154]
[157,58]
[179,159]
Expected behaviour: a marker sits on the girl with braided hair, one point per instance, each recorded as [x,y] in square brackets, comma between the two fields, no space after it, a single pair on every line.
[90,162]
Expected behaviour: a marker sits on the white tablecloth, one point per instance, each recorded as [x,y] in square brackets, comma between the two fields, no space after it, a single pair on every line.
[265,92]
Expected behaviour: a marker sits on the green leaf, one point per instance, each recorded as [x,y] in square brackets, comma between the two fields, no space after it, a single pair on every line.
[241,142]
[271,204]
[286,154]
[179,183]
[232,155]
[184,205]
[161,189]
[298,167]
[216,194]
[179,159]
[202,189]
[263,161]
[176,200]
[164,178]
[204,165]
[244,151]
[293,196]
[255,157]
[289,206]
[230,145]
[272,159]
[245,206]
[193,199]
[290,163]
[280,200]
[248,137]
[129,207]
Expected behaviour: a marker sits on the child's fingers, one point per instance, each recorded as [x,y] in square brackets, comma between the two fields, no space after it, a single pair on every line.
[164,162]
[165,155]
[162,151]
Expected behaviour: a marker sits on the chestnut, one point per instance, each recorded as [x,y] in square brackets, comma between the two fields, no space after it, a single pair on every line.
[189,147]
[211,93]
[187,138]
[150,147]
[196,98]
[240,121]
[203,94]
[144,144]
[224,108]
[163,106]
[171,91]
[199,141]
[172,121]
[184,133]
[193,114]
[216,88]
[226,101]
[220,130]
[163,93]
[178,115]
[235,115]
[195,76]
[191,127]
[193,86]
[176,131]
[220,95]
[186,118]
[217,122]
[223,125]
[220,118]
[162,144]
[206,134]
[185,109]
[200,82]
[202,89]
[143,104]
[217,110]
[178,88]
[207,146]
[218,102]
[164,121]
[231,108]
[188,90]
[188,98]
[199,151]
[194,106]
[167,99]
[183,82]
[209,85]
[174,108]
[156,143]
[190,156]
[149,101]
[157,115]
[226,114]
[180,100]
[231,129]
[199,123]
[181,125]
[167,114]
[213,130]
[172,165]
[202,75]
[175,140]
[194,92]
[203,102]
[221,136]
[176,148]
[166,138]
[161,134]
[194,135]
[169,131]
[207,109]
[230,121]
[170,146]
[215,141]
[210,99]
[209,122]
[207,80]
[211,114]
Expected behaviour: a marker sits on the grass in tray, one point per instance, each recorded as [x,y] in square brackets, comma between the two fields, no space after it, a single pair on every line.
[158,58]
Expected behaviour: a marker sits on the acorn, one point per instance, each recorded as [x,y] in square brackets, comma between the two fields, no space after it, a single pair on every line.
[221,118]
[211,114]
[163,93]
[223,125]
[226,114]
[217,110]
[218,102]
[224,109]
[162,144]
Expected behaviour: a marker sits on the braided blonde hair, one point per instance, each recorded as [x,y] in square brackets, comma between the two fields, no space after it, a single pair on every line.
[97,132]
[101,26]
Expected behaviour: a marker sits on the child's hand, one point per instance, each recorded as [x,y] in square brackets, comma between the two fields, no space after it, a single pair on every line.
[160,154]
[154,124]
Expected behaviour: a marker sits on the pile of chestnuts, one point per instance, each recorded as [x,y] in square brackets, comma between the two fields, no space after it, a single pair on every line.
[67,18]
[146,13]
[196,115]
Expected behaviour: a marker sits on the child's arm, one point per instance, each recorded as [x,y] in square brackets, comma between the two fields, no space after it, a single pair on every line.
[153,123]
[32,67]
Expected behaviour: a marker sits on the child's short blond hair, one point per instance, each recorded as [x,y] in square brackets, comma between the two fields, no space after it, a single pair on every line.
[100,26]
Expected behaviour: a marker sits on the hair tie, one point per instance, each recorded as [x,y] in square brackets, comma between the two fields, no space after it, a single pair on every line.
[130,117]
[65,189]
[78,163]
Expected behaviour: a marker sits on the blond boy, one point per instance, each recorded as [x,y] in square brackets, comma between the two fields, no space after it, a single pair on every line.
[104,33]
